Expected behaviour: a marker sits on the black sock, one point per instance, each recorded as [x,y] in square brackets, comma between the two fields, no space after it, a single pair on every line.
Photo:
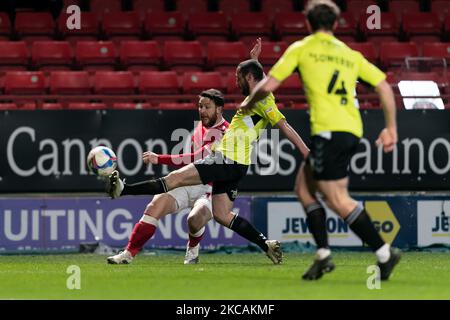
[317,224]
[245,229]
[359,221]
[149,187]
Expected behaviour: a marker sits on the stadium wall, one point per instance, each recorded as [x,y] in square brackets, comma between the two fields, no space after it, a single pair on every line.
[45,151]
[63,224]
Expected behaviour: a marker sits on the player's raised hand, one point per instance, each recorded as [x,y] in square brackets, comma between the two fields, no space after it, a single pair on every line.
[388,139]
[150,157]
[256,51]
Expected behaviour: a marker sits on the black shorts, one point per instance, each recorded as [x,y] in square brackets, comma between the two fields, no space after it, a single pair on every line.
[224,173]
[330,156]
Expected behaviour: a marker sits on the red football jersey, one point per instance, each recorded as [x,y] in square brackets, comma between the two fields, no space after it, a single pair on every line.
[200,143]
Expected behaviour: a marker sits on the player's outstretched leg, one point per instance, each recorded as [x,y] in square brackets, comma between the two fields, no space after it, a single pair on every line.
[116,187]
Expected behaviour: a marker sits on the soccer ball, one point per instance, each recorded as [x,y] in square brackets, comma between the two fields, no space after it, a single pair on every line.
[102,161]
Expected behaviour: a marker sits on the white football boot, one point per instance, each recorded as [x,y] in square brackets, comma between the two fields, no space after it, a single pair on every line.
[274,251]
[123,257]
[114,185]
[191,256]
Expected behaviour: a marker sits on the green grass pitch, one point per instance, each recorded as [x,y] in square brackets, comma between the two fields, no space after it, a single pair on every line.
[420,275]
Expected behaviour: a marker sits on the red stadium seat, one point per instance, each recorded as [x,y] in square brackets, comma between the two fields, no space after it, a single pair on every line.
[394,53]
[358,8]
[26,106]
[102,6]
[8,106]
[177,106]
[122,24]
[189,7]
[368,105]
[231,106]
[51,55]
[400,7]
[292,85]
[95,55]
[441,8]
[159,82]
[347,27]
[14,55]
[389,28]
[89,27]
[52,106]
[234,6]
[165,25]
[183,55]
[132,106]
[437,50]
[140,55]
[274,7]
[209,26]
[230,82]
[86,106]
[271,52]
[225,55]
[70,82]
[5,25]
[248,26]
[290,26]
[110,82]
[367,49]
[25,82]
[195,82]
[423,23]
[34,24]
[146,5]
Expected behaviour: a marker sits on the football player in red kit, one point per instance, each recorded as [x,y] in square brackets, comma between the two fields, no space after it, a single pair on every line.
[210,128]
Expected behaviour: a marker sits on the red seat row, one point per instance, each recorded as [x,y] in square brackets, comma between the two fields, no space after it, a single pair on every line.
[125,83]
[183,55]
[154,82]
[215,26]
[132,55]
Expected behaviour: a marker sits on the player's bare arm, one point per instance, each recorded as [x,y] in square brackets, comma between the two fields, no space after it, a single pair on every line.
[293,137]
[388,136]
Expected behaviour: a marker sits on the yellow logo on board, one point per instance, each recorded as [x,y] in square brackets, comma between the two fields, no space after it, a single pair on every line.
[383,219]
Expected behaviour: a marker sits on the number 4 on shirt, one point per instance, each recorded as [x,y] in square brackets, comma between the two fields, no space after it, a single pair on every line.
[341,91]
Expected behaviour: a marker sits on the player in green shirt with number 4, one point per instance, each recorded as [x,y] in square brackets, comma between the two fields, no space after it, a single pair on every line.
[329,71]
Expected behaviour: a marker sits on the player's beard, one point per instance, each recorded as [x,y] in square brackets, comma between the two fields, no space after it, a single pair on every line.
[245,88]
[208,122]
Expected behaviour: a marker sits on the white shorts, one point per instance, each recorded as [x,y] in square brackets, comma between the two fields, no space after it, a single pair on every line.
[190,196]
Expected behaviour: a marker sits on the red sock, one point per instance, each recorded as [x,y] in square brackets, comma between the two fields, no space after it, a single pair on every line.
[142,232]
[193,241]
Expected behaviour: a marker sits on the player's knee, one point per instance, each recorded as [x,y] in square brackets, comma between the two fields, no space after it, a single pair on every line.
[194,222]
[156,207]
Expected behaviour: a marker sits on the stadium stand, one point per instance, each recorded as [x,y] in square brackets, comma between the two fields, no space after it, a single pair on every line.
[158,47]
